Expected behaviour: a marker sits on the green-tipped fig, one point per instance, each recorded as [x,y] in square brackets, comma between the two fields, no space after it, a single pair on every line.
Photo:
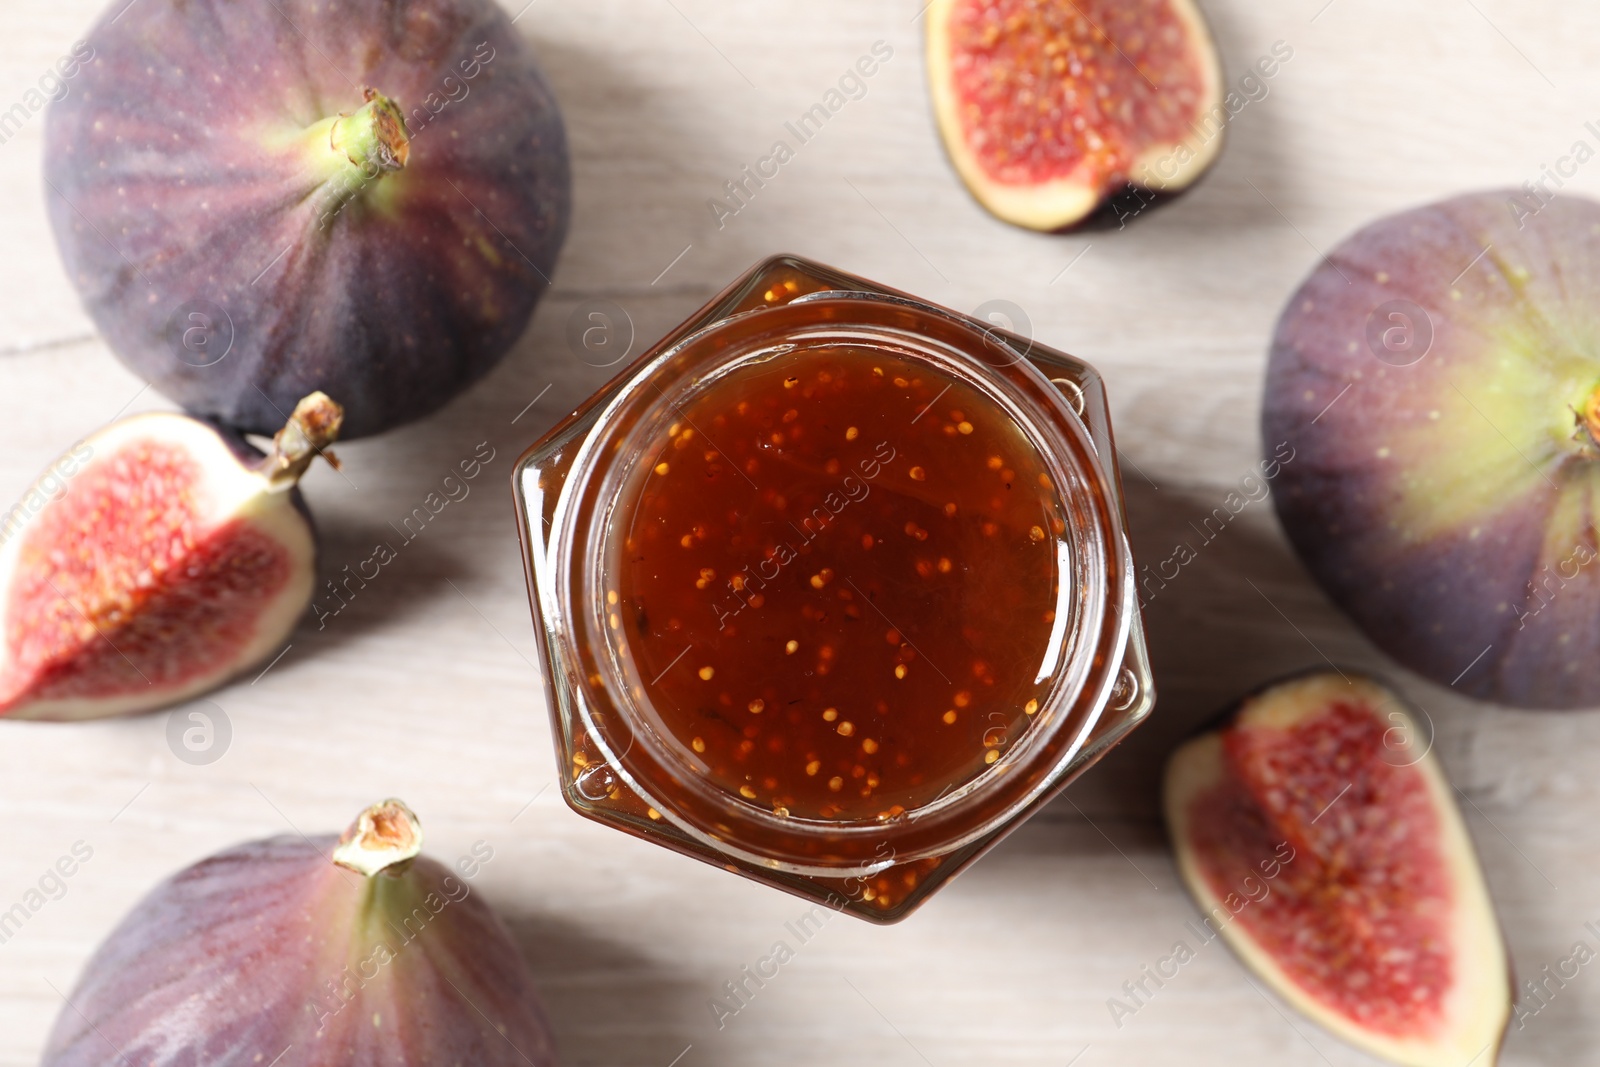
[1438,381]
[158,558]
[260,198]
[273,953]
[1322,842]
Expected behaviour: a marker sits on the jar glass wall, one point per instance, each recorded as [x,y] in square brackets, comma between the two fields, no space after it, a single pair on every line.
[833,587]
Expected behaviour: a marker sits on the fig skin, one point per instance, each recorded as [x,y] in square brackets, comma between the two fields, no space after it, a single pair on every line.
[1445,500]
[158,558]
[190,170]
[1162,141]
[270,949]
[1311,821]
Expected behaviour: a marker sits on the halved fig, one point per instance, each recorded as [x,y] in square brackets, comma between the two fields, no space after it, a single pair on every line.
[1321,840]
[303,952]
[154,561]
[1050,107]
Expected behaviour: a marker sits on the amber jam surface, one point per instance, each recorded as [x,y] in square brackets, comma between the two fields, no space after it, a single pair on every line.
[836,572]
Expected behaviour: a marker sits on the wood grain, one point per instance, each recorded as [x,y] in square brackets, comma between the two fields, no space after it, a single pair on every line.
[424,687]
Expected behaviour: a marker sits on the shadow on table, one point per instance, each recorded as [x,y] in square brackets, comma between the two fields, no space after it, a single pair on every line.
[609,1004]
[1240,612]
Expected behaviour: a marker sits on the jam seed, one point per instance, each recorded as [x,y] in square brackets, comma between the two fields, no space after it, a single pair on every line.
[965,427]
[813,767]
[918,474]
[992,755]
[1031,706]
[698,744]
[662,468]
[851,434]
[950,717]
[869,746]
[746,792]
[830,714]
[846,729]
[706,673]
[757,706]
[899,670]
[835,783]
[791,648]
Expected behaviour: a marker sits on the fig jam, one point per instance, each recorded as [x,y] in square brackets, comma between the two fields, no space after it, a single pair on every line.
[833,587]
[839,582]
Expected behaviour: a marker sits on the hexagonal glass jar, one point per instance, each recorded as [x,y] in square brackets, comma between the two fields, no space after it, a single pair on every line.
[869,818]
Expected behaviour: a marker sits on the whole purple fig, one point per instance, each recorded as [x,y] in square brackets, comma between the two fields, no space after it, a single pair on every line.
[257,199]
[272,952]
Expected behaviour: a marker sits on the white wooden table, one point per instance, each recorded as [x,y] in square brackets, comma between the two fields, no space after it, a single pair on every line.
[423,687]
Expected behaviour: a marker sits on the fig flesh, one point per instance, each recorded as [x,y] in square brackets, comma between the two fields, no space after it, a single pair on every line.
[1317,832]
[1438,377]
[157,559]
[273,953]
[1048,109]
[262,198]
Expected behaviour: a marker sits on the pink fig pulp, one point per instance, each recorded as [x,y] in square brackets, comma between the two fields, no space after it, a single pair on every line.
[1319,836]
[157,559]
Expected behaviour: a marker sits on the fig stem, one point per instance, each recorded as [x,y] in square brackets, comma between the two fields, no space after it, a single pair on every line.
[313,426]
[348,151]
[374,136]
[1589,417]
[385,838]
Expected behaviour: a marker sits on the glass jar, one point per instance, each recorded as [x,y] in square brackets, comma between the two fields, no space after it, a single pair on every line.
[833,588]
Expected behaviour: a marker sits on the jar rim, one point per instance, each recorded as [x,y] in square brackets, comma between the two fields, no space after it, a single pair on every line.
[1093,641]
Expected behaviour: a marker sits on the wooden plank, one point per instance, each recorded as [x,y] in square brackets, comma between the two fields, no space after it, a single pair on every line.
[423,687]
